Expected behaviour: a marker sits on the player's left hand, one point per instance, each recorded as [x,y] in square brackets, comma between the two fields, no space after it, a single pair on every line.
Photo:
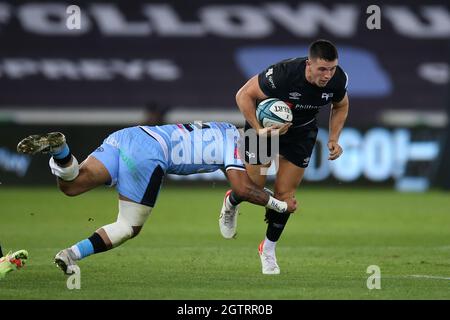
[278,130]
[292,205]
[335,150]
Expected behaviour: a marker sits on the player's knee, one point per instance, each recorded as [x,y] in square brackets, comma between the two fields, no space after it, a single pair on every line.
[126,232]
[118,232]
[129,222]
[136,231]
[133,215]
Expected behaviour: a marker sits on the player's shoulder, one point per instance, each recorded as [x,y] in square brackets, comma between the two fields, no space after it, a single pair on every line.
[291,70]
[292,64]
[340,79]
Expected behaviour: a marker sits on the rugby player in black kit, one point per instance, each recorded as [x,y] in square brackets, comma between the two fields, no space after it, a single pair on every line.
[307,84]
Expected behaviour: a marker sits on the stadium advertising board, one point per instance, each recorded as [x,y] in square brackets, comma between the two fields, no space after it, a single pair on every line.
[197,54]
[403,157]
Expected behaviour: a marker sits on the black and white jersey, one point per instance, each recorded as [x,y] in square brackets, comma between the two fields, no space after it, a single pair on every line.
[286,81]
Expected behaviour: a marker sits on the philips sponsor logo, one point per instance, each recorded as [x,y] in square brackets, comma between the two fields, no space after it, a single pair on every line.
[306,107]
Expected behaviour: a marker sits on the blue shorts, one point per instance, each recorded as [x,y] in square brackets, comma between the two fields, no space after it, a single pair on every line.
[135,162]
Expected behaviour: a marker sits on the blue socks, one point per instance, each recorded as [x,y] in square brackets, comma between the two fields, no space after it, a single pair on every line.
[83,249]
[61,153]
[93,244]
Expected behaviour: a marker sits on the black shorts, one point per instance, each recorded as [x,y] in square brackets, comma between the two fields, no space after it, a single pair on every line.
[296,146]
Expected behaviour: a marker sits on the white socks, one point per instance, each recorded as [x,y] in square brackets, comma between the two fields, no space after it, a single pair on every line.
[269,246]
[69,173]
[76,252]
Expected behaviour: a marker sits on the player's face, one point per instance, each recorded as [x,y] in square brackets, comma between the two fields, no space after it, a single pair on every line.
[321,71]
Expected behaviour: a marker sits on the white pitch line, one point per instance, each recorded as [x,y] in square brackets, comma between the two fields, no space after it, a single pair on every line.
[428,277]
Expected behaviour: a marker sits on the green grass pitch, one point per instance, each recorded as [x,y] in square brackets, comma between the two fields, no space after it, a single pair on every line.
[323,254]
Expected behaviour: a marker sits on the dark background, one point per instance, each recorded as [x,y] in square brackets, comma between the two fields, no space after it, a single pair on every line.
[398,75]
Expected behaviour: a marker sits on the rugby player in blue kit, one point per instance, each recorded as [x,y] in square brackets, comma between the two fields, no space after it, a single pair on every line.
[136,159]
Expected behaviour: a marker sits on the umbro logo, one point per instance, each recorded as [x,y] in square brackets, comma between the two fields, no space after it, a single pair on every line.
[294,95]
[306,161]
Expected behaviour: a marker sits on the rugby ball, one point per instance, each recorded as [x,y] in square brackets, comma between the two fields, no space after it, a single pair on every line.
[273,111]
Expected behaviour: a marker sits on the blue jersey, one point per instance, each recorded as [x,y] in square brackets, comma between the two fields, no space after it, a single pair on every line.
[137,158]
[198,147]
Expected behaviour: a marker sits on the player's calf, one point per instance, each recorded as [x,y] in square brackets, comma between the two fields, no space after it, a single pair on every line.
[130,220]
[92,173]
[73,179]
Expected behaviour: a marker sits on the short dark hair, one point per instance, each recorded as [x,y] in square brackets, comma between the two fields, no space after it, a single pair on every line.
[323,49]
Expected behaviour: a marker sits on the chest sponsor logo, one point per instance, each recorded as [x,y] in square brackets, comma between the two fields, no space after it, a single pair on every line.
[306,107]
[326,96]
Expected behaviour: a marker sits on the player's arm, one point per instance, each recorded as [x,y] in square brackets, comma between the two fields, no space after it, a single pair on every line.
[246,99]
[338,115]
[246,190]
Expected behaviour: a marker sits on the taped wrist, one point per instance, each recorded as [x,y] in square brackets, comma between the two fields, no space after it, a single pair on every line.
[277,205]
[68,173]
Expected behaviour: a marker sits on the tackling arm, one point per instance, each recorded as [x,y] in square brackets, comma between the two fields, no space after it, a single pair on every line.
[246,99]
[246,190]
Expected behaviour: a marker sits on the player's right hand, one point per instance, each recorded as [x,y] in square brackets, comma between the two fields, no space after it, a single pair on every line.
[292,205]
[275,130]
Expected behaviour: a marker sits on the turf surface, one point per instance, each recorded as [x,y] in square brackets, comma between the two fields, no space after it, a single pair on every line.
[323,254]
